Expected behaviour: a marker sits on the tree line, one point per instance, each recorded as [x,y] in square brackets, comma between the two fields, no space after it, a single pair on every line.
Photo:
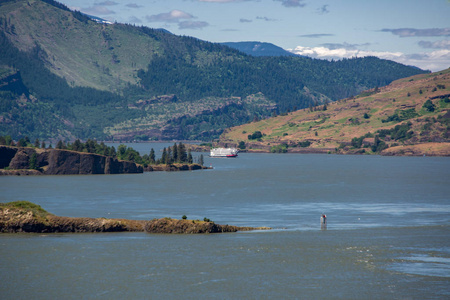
[172,154]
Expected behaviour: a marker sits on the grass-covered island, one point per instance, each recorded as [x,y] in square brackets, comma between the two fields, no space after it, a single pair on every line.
[24,216]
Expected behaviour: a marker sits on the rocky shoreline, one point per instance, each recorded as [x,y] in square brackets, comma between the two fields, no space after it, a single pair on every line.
[18,161]
[24,216]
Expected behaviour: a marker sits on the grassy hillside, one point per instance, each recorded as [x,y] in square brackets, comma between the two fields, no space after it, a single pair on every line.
[80,50]
[64,76]
[410,111]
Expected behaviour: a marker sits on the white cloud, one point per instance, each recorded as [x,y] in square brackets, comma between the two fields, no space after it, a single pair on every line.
[292,3]
[107,3]
[174,16]
[434,61]
[316,35]
[266,19]
[413,32]
[133,5]
[444,44]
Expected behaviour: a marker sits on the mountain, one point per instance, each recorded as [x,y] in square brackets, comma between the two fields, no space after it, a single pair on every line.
[410,116]
[66,76]
[259,49]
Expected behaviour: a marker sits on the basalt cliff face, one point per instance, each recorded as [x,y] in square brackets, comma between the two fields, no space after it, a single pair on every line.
[30,161]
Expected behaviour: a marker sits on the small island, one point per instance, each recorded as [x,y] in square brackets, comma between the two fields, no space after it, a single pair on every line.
[25,216]
[91,157]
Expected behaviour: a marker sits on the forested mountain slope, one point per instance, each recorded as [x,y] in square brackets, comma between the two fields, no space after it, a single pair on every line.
[65,76]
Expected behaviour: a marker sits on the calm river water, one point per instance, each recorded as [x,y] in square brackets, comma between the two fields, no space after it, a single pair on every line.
[388,233]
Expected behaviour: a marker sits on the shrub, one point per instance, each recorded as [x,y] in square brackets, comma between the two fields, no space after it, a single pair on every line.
[401,115]
[256,135]
[304,144]
[279,148]
[429,106]
[357,142]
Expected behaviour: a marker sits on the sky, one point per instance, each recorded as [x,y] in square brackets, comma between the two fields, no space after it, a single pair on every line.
[411,32]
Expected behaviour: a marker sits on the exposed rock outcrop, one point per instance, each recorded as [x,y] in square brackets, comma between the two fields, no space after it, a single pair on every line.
[168,225]
[62,162]
[174,167]
[24,216]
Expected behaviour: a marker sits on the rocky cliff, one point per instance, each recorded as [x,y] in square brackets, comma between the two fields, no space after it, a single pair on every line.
[60,162]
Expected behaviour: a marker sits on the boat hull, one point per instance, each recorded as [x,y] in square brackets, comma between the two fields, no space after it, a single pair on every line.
[224,152]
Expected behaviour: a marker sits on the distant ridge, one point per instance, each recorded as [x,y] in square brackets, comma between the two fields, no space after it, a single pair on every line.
[259,49]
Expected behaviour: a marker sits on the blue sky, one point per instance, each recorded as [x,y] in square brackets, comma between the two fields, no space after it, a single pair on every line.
[412,32]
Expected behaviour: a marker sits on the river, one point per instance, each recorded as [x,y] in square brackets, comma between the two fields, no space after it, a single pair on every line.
[387,236]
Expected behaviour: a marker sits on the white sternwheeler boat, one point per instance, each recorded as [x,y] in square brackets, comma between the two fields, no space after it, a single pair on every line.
[224,152]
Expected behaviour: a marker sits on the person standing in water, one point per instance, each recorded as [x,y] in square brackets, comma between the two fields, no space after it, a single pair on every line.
[323,221]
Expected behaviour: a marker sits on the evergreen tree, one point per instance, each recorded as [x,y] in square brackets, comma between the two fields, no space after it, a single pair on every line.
[169,158]
[200,160]
[77,146]
[176,157]
[60,145]
[152,156]
[33,161]
[182,153]
[164,156]
[36,143]
[121,150]
[190,160]
[105,151]
[43,145]
[9,140]
[21,143]
[112,152]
